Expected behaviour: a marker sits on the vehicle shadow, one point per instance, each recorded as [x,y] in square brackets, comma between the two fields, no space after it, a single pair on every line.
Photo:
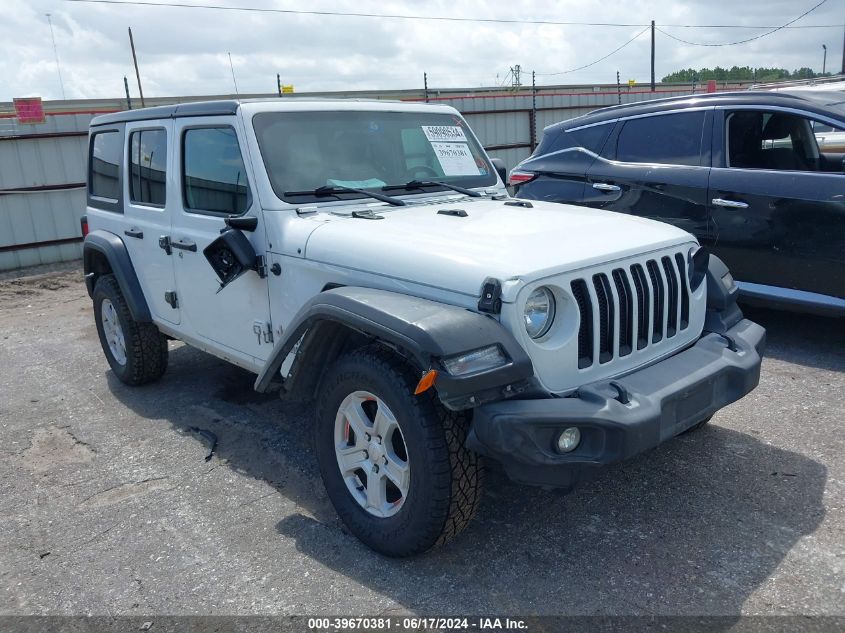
[693,527]
[805,339]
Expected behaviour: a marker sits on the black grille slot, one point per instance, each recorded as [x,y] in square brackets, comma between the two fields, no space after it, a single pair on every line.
[626,311]
[605,301]
[684,291]
[659,300]
[672,284]
[643,297]
[585,331]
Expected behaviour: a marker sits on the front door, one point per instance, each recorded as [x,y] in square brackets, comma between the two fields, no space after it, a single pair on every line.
[777,205]
[215,183]
[150,207]
[656,167]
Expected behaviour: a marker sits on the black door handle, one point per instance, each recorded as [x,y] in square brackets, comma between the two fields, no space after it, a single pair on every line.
[134,233]
[185,245]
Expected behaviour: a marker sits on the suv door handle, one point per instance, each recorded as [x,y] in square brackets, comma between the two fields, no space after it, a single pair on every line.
[603,186]
[730,204]
[185,245]
[133,232]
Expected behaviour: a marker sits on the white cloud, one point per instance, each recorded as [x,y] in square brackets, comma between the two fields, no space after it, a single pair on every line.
[183,51]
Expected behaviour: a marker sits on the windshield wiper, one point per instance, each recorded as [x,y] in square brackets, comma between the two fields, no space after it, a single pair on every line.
[336,189]
[421,184]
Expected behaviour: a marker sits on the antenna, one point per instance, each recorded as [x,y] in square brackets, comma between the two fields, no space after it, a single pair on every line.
[56,53]
[234,81]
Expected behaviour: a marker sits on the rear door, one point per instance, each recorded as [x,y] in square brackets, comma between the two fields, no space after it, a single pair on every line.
[149,210]
[215,182]
[777,204]
[656,166]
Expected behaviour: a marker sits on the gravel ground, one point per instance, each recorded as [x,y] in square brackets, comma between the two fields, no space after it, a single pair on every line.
[109,506]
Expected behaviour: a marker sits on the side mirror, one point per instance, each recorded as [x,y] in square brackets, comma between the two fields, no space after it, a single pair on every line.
[499,165]
[230,255]
[242,222]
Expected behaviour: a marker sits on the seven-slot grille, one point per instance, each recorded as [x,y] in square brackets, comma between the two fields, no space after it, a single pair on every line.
[633,307]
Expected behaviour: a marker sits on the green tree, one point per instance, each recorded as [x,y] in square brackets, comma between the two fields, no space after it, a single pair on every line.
[738,73]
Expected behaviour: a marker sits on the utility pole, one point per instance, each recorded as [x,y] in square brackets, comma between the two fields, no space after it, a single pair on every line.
[279,83]
[425,86]
[533,110]
[128,98]
[843,54]
[652,55]
[137,73]
[824,59]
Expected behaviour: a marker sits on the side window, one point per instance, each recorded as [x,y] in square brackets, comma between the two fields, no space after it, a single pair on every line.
[669,139]
[147,167]
[781,141]
[104,165]
[592,138]
[213,174]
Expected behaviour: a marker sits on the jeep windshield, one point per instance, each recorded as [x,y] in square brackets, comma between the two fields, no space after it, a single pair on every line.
[307,154]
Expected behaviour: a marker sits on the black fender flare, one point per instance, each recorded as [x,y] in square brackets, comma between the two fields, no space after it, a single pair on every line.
[114,250]
[722,313]
[424,331]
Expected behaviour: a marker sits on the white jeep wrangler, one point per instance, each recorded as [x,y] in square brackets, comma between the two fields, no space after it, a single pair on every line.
[366,255]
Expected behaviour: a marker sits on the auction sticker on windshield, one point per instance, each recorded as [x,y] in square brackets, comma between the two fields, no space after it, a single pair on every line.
[444,133]
[456,159]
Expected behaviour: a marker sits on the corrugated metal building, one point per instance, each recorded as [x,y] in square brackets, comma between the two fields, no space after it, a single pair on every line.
[42,166]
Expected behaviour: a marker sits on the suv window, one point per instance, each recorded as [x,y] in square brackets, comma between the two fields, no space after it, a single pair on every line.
[669,139]
[757,139]
[104,177]
[147,167]
[213,173]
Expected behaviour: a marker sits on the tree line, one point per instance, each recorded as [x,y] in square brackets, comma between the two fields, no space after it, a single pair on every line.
[739,73]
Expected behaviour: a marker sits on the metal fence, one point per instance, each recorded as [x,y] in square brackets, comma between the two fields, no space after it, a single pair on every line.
[42,166]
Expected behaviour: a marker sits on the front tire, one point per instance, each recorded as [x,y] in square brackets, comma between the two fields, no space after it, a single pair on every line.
[394,464]
[136,352]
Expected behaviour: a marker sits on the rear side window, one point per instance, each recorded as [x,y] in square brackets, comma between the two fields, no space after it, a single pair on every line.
[148,166]
[669,139]
[213,173]
[592,138]
[104,176]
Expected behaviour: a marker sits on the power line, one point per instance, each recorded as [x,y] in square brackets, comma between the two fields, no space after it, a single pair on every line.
[750,39]
[439,18]
[601,59]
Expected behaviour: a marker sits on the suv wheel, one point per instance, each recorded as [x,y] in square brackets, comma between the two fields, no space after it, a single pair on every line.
[137,352]
[394,464]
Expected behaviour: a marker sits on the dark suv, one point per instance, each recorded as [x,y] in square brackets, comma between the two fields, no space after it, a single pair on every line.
[756,176]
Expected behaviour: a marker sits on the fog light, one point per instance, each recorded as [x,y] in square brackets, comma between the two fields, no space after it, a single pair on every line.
[568,440]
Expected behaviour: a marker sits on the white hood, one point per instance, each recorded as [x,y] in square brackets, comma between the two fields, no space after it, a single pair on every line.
[417,244]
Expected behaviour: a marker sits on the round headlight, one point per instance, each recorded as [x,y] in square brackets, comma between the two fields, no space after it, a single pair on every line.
[539,312]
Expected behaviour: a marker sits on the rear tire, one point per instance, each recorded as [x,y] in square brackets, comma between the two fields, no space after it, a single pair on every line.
[136,352]
[444,480]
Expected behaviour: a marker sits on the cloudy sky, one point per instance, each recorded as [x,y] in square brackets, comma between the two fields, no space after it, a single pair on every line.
[183,51]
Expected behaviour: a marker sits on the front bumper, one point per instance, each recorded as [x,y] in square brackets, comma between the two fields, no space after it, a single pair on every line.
[621,417]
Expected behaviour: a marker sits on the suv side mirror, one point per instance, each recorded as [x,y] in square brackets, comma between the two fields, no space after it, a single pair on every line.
[230,255]
[499,165]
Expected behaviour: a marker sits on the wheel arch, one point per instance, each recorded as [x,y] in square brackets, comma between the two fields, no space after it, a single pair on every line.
[420,330]
[105,253]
